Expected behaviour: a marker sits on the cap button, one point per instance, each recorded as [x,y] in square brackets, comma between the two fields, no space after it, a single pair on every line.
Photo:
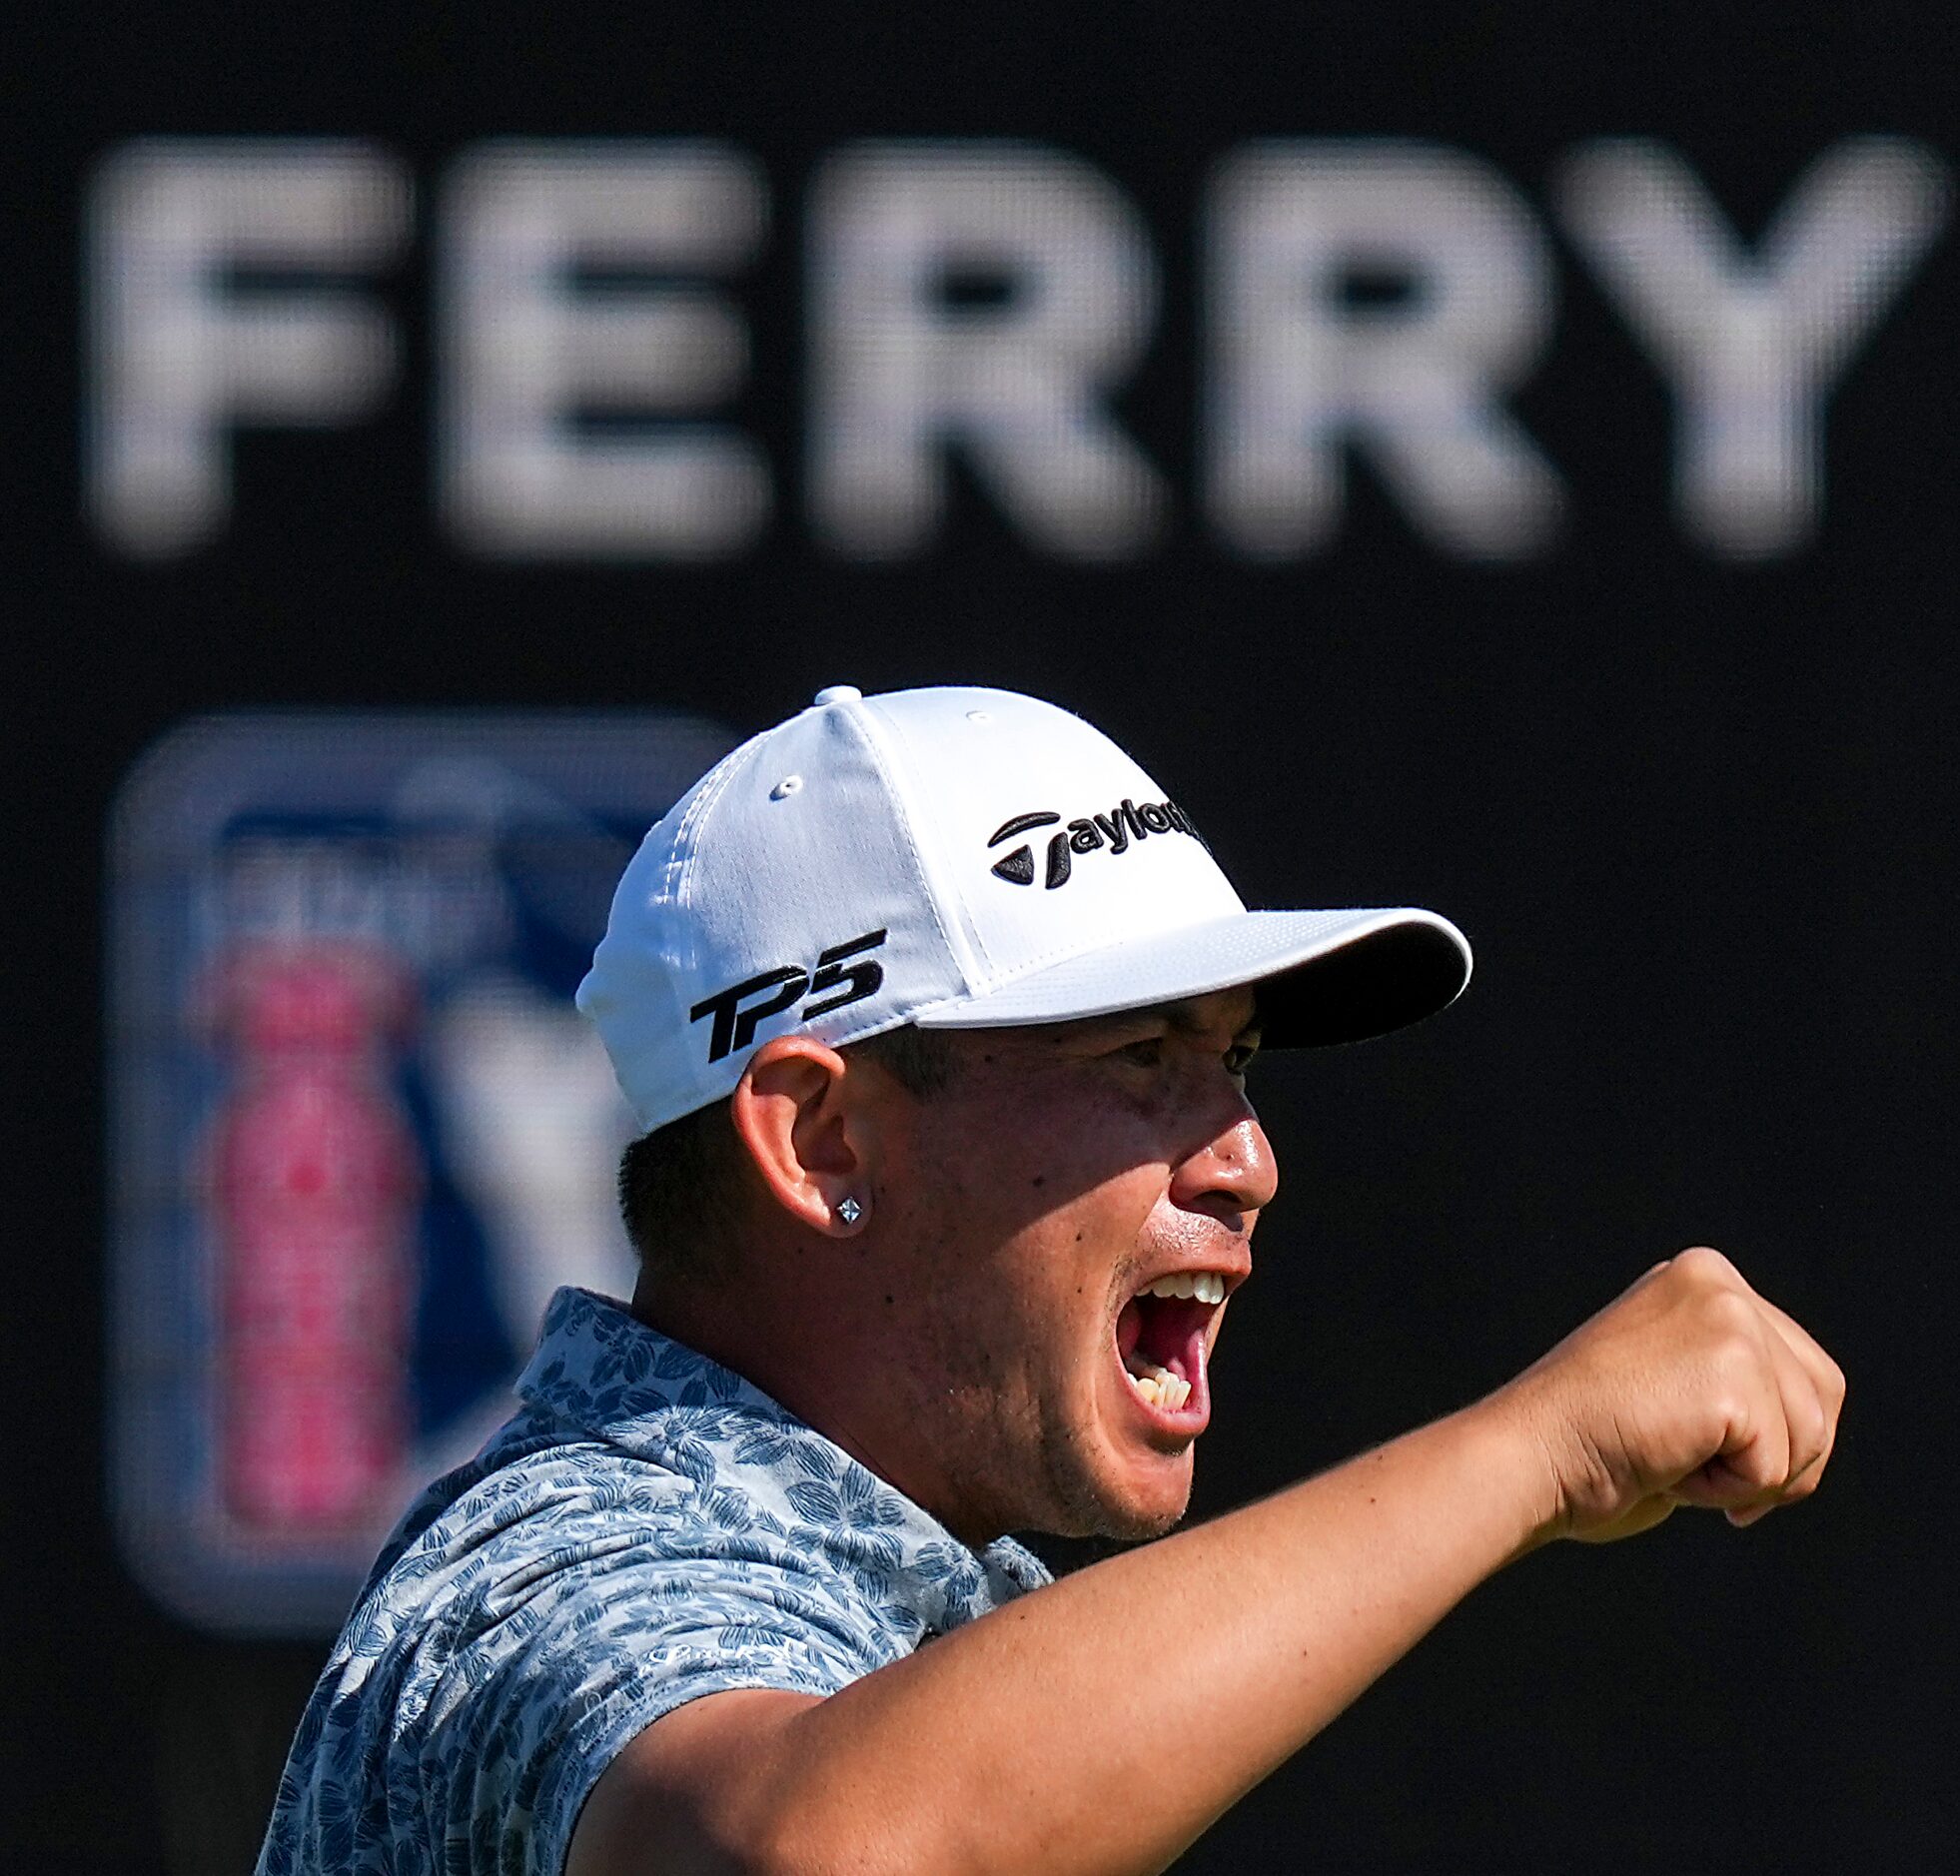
[838,693]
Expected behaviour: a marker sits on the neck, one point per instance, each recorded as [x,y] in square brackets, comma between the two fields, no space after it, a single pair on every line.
[814,1362]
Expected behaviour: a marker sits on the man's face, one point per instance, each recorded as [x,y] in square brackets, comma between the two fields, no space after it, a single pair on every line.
[1044,1211]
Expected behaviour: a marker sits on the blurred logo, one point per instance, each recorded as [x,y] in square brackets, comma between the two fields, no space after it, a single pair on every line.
[360,1130]
[313,1182]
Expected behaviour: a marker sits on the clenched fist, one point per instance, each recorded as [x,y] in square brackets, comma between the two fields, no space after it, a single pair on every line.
[1689,1389]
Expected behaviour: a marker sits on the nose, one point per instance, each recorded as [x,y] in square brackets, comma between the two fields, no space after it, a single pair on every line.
[1234,1172]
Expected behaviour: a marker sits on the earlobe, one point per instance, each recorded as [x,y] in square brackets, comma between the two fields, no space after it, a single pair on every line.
[800,1120]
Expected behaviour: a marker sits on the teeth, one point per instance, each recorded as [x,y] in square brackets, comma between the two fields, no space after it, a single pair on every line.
[1206,1286]
[1161,1387]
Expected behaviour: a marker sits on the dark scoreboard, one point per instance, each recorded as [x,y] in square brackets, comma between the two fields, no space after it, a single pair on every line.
[591,330]
[1491,459]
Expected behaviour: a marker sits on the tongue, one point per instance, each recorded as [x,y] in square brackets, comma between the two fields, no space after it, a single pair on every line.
[1169,1331]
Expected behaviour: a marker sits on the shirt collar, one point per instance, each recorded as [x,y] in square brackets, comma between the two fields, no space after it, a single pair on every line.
[620,1380]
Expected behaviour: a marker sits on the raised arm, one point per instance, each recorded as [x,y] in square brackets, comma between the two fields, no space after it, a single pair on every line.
[1099,1725]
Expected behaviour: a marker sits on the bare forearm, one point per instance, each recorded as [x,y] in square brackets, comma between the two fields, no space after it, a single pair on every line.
[1101,1724]
[1098,1726]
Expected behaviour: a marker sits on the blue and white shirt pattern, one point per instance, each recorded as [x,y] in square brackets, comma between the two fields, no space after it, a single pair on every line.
[647,1528]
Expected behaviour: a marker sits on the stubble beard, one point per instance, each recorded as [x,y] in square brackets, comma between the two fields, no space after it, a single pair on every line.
[1040,1477]
[1022,1465]
[1085,1507]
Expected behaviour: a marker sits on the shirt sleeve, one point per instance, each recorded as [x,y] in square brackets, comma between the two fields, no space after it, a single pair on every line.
[572,1664]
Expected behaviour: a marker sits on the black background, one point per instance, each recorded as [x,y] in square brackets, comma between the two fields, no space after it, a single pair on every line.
[1695,816]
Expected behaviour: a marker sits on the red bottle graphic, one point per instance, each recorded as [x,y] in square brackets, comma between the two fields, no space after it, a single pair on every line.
[314,1181]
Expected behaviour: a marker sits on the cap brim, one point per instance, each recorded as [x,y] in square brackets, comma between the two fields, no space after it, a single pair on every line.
[1323,977]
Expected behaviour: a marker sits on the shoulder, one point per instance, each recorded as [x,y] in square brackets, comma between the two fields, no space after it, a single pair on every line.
[531,1619]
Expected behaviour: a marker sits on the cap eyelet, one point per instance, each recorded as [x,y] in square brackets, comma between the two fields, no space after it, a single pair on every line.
[785,788]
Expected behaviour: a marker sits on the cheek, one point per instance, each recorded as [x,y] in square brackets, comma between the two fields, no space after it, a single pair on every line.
[985,1185]
[1025,1215]
[1083,1256]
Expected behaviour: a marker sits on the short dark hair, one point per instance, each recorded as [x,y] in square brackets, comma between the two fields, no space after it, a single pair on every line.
[678,1184]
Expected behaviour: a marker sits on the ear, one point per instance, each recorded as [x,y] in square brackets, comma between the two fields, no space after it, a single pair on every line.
[808,1132]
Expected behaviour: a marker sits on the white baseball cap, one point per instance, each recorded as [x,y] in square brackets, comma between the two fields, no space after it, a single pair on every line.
[958,859]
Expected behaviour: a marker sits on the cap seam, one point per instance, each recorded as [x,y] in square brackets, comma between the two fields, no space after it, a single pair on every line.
[873,737]
[689,833]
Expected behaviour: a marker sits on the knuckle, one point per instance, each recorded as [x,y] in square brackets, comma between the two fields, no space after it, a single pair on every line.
[1765,1467]
[1737,1359]
[1734,1314]
[1706,1263]
[1808,1449]
[1732,1344]
[1731,1406]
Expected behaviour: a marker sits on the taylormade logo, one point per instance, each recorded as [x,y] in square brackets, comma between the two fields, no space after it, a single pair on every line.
[1123,825]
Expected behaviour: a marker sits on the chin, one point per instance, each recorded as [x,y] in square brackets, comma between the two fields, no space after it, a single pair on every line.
[1140,1526]
[1131,1503]
[1152,1514]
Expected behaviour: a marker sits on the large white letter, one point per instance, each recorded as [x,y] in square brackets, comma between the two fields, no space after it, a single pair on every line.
[177,359]
[1304,362]
[528,350]
[901,372]
[1752,344]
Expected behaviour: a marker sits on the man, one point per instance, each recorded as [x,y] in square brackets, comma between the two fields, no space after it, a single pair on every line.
[938,1013]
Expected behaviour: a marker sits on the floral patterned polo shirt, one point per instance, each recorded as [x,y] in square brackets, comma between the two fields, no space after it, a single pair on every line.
[647,1528]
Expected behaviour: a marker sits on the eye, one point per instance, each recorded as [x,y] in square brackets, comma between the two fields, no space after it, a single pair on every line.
[1239,1057]
[1147,1051]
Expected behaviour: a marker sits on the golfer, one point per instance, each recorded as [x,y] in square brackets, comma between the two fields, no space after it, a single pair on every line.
[937,1013]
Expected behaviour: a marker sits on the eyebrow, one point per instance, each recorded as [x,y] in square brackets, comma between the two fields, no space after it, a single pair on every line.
[1182,1015]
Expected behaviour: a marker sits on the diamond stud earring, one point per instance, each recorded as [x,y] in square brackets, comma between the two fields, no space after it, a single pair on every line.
[850,1210]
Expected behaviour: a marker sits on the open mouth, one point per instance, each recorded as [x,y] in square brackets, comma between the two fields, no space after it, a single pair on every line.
[1161,1337]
